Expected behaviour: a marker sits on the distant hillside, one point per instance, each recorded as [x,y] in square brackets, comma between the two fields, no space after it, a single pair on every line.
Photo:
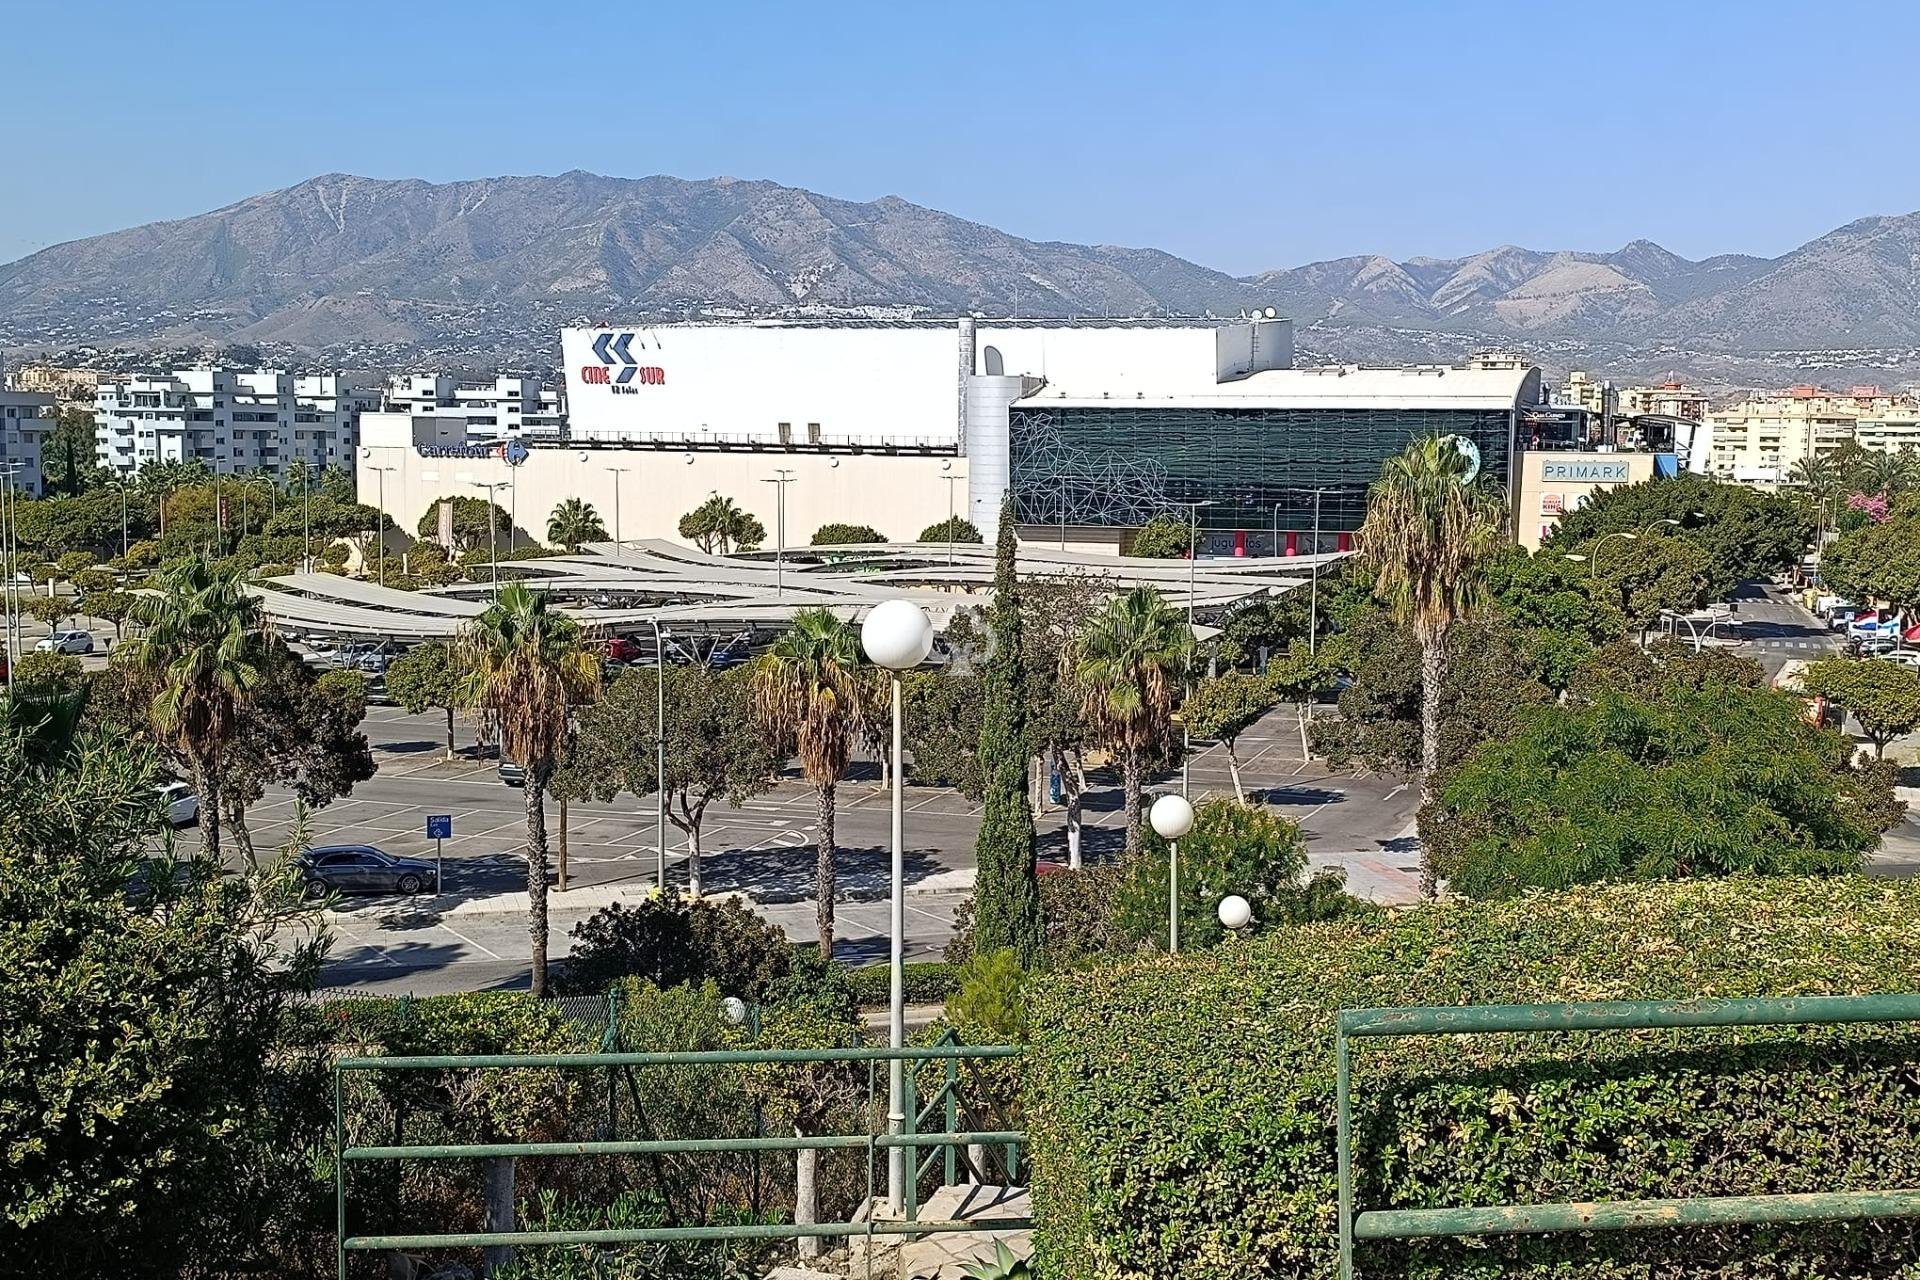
[388,269]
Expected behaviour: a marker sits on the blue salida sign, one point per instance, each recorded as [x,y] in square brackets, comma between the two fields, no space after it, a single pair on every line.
[439,826]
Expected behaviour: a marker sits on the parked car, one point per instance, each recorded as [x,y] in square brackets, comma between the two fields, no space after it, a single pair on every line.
[513,773]
[66,642]
[361,868]
[182,805]
[1905,657]
[1841,619]
[1873,646]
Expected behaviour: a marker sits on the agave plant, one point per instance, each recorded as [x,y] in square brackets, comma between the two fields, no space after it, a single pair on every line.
[1003,1267]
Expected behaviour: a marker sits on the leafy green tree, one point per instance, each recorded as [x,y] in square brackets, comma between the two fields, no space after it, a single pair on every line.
[718,526]
[1126,663]
[1745,533]
[1693,781]
[808,691]
[50,610]
[1427,534]
[526,667]
[846,535]
[1556,612]
[1884,697]
[163,1112]
[202,650]
[1057,610]
[67,454]
[1163,538]
[673,940]
[1233,848]
[1876,561]
[296,729]
[477,523]
[1268,624]
[715,747]
[574,522]
[1485,685]
[429,676]
[942,714]
[1006,897]
[954,529]
[1653,575]
[1219,708]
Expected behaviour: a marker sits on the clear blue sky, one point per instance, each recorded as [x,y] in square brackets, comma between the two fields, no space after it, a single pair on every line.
[1241,136]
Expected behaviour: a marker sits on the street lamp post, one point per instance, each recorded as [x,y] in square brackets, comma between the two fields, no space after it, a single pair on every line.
[1193,560]
[9,563]
[617,473]
[379,527]
[897,635]
[951,481]
[660,753]
[493,526]
[783,478]
[1172,818]
[1592,558]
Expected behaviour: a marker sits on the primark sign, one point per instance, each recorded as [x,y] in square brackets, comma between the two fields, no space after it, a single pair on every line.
[1584,470]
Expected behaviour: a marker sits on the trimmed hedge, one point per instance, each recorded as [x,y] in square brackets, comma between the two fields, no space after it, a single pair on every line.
[1181,1110]
[929,983]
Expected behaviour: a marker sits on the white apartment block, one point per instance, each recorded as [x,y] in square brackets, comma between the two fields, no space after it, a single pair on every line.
[25,419]
[231,420]
[1761,439]
[506,407]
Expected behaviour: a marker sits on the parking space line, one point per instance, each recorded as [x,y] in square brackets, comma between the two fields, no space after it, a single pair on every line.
[470,942]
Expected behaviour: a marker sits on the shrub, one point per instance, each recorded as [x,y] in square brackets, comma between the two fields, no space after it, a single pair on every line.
[669,940]
[1181,1111]
[1163,537]
[954,529]
[48,672]
[990,1006]
[846,535]
[1233,848]
[927,983]
[1077,920]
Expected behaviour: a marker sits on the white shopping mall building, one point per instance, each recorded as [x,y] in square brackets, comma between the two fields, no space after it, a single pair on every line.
[1094,427]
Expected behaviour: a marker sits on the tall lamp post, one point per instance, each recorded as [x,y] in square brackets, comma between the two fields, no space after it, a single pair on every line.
[10,565]
[783,477]
[1193,560]
[660,752]
[379,529]
[617,473]
[1172,818]
[1592,558]
[897,635]
[951,481]
[493,526]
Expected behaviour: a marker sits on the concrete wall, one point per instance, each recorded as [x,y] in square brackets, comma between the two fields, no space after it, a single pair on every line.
[897,495]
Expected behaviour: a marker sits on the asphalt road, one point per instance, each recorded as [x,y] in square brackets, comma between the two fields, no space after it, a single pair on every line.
[1774,629]
[762,848]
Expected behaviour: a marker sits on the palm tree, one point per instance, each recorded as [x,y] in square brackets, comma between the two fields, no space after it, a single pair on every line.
[1823,479]
[1428,532]
[205,641]
[1126,663]
[526,667]
[1889,474]
[808,689]
[574,522]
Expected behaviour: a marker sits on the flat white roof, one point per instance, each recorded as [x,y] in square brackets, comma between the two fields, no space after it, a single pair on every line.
[1334,387]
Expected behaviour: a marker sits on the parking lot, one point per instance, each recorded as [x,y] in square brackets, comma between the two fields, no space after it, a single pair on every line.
[474,934]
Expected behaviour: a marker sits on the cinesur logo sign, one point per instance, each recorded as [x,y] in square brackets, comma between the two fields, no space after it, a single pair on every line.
[618,370]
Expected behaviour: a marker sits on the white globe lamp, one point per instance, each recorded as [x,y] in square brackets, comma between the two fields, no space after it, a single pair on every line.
[1171,816]
[1235,912]
[897,635]
[734,1010]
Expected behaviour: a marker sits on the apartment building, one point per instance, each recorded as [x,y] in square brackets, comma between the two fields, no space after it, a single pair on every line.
[1671,399]
[1761,439]
[232,420]
[26,417]
[509,406]
[1596,396]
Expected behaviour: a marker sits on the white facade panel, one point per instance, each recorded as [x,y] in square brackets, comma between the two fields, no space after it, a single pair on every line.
[737,384]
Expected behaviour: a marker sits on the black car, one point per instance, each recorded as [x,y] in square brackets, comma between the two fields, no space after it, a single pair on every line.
[512,773]
[361,868]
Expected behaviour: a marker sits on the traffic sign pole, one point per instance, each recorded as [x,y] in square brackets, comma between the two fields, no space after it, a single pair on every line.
[439,827]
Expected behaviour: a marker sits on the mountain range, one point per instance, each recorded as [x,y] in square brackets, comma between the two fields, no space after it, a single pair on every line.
[369,270]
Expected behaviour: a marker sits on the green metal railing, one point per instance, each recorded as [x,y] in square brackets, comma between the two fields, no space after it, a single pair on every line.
[1620,1215]
[947,1138]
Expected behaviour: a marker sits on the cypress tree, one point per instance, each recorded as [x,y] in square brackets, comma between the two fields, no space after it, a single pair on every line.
[1006,894]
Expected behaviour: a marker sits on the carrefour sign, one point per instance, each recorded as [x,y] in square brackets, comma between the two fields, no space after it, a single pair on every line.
[1583,471]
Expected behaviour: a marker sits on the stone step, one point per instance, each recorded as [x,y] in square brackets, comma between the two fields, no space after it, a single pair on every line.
[946,1256]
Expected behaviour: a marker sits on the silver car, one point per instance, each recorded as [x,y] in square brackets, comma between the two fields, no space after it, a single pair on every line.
[66,642]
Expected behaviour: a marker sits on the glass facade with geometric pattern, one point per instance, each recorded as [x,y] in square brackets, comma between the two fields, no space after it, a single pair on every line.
[1119,466]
